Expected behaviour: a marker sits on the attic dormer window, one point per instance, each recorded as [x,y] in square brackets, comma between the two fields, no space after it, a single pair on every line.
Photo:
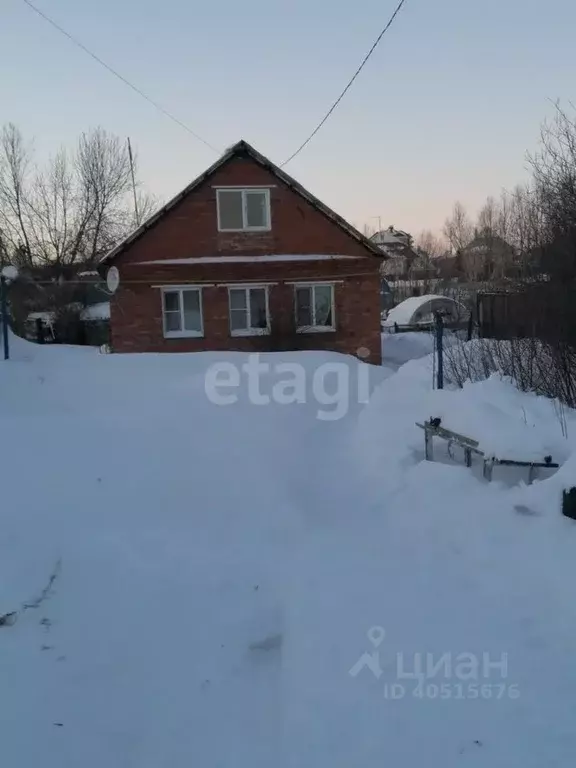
[243,210]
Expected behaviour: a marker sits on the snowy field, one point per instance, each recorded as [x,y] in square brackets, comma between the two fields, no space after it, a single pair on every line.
[252,585]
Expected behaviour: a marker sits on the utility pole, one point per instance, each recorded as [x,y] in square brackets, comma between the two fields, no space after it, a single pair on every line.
[131,158]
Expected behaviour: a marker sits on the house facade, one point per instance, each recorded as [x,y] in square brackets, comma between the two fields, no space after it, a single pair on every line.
[398,246]
[246,259]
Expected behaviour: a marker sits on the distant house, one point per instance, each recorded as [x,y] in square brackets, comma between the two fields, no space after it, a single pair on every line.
[244,258]
[398,247]
[487,256]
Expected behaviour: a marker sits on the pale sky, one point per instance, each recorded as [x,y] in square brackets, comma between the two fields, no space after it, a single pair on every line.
[445,109]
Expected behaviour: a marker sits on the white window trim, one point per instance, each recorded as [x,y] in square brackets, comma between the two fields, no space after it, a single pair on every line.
[183,334]
[244,285]
[243,186]
[309,283]
[315,328]
[243,190]
[249,331]
[183,286]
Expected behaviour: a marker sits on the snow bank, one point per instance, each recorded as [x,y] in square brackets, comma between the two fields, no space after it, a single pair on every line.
[399,348]
[506,423]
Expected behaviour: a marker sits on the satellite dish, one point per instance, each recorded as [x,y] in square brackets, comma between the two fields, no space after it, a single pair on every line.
[112,279]
[9,272]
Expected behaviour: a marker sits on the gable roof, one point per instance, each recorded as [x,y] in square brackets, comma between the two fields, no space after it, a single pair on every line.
[243,149]
[485,239]
[391,236]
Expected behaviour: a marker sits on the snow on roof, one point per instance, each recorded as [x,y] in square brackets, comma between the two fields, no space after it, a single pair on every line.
[391,236]
[403,313]
[385,237]
[99,311]
[46,317]
[251,259]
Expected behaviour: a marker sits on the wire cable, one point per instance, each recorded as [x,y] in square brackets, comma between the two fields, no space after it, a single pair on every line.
[348,86]
[110,69]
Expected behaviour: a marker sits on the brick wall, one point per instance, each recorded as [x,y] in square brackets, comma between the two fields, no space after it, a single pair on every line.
[136,321]
[190,230]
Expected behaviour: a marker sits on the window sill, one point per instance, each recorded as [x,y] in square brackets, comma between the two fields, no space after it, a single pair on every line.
[251,332]
[317,329]
[246,230]
[184,335]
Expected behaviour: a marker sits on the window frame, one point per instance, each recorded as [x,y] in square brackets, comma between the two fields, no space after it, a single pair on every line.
[315,328]
[239,332]
[181,289]
[243,191]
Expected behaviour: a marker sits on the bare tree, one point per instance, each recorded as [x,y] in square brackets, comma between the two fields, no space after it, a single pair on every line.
[50,203]
[74,209]
[458,228]
[494,255]
[523,229]
[103,167]
[532,230]
[14,173]
[430,246]
[554,169]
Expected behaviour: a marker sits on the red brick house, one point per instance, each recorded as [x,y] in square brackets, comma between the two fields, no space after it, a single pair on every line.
[246,259]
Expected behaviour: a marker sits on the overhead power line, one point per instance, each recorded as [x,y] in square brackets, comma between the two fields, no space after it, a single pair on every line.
[355,75]
[130,85]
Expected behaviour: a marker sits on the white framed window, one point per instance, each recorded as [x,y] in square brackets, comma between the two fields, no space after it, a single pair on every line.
[243,210]
[182,312]
[249,311]
[314,307]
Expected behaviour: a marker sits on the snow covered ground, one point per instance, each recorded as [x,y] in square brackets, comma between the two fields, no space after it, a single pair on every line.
[221,571]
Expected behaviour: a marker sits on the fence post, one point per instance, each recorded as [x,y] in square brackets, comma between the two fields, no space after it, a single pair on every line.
[4,313]
[428,444]
[440,350]
[569,503]
[39,331]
